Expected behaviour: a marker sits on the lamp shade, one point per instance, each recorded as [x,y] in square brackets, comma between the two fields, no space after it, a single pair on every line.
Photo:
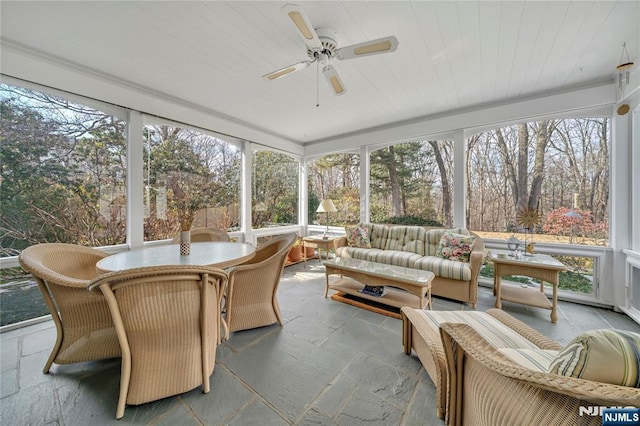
[326,206]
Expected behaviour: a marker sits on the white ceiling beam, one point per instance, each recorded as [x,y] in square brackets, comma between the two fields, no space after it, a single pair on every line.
[509,112]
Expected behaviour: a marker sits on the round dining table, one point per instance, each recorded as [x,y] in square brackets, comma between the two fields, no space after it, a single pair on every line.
[218,254]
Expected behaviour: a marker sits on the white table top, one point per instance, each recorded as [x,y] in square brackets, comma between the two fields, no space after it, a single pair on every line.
[219,254]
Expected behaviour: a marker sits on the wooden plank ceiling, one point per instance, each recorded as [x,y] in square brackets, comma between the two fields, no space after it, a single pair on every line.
[451,55]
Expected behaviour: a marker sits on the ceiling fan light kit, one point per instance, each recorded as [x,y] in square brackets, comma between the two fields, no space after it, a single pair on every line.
[323,48]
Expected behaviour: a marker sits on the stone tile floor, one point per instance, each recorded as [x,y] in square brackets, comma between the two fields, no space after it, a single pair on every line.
[331,364]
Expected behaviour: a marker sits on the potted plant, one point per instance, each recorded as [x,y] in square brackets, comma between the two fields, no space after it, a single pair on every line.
[310,251]
[188,198]
[295,252]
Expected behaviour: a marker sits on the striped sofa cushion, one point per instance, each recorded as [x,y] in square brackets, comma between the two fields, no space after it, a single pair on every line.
[406,238]
[394,257]
[377,234]
[395,237]
[606,356]
[388,257]
[355,252]
[492,330]
[444,267]
[533,359]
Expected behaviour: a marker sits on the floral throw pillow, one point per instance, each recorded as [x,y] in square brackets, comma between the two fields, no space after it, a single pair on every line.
[454,246]
[358,236]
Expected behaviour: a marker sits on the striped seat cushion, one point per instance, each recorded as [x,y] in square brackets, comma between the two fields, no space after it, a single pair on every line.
[394,257]
[533,359]
[355,252]
[444,268]
[388,257]
[606,356]
[492,330]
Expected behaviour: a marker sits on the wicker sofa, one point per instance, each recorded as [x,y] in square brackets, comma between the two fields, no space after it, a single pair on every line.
[415,247]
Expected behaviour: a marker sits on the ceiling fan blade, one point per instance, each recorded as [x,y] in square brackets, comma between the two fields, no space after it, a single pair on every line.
[286,70]
[373,47]
[334,80]
[302,23]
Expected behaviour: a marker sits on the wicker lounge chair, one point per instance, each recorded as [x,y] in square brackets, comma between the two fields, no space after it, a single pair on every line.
[251,296]
[421,333]
[488,388]
[85,330]
[201,235]
[167,321]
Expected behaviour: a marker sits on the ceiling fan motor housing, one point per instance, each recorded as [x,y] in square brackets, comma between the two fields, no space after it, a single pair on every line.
[329,42]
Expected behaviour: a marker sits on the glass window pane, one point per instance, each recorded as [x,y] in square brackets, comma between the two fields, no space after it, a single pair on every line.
[336,177]
[275,190]
[192,180]
[63,172]
[412,183]
[559,168]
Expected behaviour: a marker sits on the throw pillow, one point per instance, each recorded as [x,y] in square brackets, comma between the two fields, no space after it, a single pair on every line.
[357,236]
[605,356]
[454,246]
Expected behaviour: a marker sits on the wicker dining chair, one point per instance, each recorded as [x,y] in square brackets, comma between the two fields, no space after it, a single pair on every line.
[251,300]
[202,235]
[84,327]
[167,322]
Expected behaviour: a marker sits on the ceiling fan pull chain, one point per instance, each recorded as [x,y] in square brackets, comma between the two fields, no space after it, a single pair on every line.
[317,83]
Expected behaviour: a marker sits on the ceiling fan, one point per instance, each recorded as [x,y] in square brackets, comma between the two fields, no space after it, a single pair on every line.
[322,48]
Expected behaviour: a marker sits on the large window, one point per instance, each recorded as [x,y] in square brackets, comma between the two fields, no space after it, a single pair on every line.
[559,168]
[192,180]
[62,179]
[413,183]
[62,172]
[336,177]
[274,197]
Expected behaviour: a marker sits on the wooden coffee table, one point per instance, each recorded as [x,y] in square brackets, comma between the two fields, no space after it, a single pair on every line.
[416,283]
[540,266]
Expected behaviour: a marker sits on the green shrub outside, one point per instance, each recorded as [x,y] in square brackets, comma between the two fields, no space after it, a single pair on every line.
[411,220]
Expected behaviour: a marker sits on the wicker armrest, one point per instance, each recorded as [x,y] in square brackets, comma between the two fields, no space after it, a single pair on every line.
[476,258]
[471,344]
[539,339]
[340,242]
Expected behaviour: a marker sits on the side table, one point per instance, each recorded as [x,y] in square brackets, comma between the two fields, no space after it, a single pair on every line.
[540,266]
[320,243]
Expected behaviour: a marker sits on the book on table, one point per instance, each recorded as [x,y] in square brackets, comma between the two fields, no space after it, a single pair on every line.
[373,290]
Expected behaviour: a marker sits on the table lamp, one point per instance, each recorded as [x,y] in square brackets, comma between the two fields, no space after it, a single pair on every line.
[513,244]
[326,206]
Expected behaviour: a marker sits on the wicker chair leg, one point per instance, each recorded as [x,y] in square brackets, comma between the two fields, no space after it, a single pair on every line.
[56,320]
[125,378]
[276,310]
[204,331]
[406,334]
[225,335]
[56,347]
